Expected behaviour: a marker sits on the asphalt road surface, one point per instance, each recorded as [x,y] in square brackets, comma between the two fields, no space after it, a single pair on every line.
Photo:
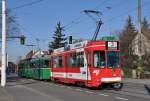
[34,90]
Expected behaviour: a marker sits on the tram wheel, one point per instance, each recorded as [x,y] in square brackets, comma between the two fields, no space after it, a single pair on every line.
[117,86]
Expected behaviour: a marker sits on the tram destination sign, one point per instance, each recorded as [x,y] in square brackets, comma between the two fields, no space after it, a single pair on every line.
[112,45]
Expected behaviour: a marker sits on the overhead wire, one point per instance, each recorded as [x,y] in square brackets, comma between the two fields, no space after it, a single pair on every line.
[29,33]
[125,13]
[78,19]
[132,10]
[75,21]
[27,4]
[102,3]
[36,39]
[118,4]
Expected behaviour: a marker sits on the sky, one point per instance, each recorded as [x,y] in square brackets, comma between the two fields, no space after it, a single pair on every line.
[38,21]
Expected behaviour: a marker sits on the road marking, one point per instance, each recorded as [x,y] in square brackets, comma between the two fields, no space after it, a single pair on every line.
[49,84]
[40,93]
[61,86]
[56,85]
[89,92]
[103,94]
[120,98]
[53,84]
[78,90]
[69,87]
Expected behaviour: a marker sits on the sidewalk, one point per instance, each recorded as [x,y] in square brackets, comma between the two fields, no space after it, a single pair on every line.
[4,95]
[138,81]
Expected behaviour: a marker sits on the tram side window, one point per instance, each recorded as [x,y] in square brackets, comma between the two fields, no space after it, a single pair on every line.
[20,65]
[38,64]
[31,64]
[50,63]
[55,61]
[73,60]
[58,62]
[35,65]
[46,64]
[89,59]
[76,60]
[80,59]
[99,59]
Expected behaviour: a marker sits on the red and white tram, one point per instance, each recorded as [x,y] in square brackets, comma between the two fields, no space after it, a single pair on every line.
[87,63]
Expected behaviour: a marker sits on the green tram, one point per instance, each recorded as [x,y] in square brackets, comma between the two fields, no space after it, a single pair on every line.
[36,68]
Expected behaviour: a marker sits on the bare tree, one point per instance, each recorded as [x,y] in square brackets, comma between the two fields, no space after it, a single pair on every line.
[12,25]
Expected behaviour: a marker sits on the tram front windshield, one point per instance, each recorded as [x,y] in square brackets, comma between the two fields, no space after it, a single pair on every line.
[112,59]
[100,58]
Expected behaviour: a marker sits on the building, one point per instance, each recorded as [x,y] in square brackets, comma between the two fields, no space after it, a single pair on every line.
[140,45]
[35,54]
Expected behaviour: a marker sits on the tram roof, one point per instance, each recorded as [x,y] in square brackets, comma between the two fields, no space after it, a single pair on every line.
[85,43]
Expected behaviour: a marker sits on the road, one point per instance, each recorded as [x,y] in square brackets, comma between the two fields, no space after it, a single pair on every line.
[34,90]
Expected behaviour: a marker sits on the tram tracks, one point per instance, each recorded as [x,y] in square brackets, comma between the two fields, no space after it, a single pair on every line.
[123,92]
[140,89]
[128,93]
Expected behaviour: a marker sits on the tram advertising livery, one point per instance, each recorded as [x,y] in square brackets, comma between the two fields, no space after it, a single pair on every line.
[90,64]
[87,63]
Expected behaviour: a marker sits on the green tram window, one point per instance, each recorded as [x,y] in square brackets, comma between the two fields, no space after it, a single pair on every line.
[46,64]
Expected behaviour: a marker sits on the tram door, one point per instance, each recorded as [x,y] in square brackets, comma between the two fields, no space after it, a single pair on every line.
[38,69]
[88,64]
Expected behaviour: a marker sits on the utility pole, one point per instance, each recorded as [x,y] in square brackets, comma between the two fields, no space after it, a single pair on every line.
[139,17]
[38,46]
[139,38]
[110,20]
[139,27]
[3,66]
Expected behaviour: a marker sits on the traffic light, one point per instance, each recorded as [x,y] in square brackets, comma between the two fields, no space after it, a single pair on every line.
[22,40]
[70,39]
